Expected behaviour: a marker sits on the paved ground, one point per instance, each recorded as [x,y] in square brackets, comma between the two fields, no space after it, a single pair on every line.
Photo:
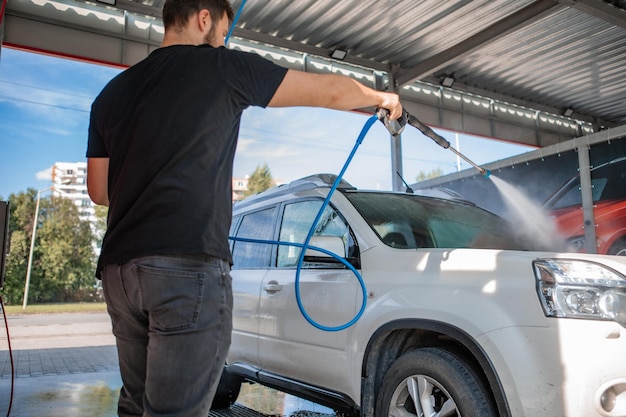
[66,366]
[58,344]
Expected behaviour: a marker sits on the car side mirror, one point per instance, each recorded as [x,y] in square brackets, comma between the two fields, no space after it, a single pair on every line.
[333,244]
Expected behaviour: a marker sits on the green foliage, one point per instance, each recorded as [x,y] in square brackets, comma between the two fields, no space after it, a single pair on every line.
[17,259]
[63,257]
[259,181]
[101,213]
[422,176]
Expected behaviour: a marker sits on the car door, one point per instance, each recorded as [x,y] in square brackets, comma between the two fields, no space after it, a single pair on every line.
[251,261]
[289,345]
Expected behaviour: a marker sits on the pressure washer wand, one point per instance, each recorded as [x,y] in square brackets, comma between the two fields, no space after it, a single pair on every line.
[396,127]
[426,130]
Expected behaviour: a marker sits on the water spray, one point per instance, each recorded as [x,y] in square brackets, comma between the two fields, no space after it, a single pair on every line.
[395,127]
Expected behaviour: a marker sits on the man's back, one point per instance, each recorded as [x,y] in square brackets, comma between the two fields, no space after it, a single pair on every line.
[169,126]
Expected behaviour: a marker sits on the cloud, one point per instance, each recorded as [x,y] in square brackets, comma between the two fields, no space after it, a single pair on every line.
[46,174]
[266,149]
[244,144]
[43,103]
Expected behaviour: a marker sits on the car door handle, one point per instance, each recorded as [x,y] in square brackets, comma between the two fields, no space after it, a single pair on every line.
[272,287]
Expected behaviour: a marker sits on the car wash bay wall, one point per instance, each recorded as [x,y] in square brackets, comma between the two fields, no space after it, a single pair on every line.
[536,174]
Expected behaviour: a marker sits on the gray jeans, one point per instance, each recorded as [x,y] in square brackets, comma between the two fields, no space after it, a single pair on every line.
[172,320]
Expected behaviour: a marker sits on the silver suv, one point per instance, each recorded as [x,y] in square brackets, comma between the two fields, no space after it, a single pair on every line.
[409,305]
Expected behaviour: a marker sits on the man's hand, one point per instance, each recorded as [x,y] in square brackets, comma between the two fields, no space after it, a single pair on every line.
[391,102]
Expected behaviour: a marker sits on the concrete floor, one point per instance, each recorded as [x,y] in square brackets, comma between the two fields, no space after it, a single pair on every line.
[66,366]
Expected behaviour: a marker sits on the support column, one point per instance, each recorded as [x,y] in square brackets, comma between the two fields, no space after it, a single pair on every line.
[396,145]
[396,162]
[589,223]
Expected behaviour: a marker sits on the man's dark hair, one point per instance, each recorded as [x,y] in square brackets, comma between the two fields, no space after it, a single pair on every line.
[176,13]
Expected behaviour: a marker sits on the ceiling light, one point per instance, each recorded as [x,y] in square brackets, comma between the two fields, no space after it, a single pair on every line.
[568,112]
[447,81]
[339,54]
[109,2]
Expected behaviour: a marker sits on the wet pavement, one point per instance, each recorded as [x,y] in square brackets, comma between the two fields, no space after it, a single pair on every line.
[65,365]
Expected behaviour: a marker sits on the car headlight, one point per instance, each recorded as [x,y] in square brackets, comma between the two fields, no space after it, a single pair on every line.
[580,289]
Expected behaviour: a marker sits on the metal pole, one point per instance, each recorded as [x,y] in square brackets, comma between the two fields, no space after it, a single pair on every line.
[458,158]
[32,247]
[395,141]
[589,223]
[396,162]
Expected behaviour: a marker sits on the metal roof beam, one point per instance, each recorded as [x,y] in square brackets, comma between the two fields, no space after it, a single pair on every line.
[460,87]
[303,48]
[77,27]
[139,8]
[600,9]
[493,32]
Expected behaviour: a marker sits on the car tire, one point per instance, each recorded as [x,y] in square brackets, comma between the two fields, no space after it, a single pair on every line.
[227,391]
[435,380]
[618,248]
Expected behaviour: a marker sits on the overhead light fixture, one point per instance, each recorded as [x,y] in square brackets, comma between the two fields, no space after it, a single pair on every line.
[568,112]
[339,54]
[447,81]
[109,2]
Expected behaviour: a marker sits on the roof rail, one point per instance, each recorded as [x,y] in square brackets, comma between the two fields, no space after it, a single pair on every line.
[320,180]
[305,183]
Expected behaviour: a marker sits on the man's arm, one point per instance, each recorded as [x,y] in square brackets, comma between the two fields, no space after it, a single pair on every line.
[98,180]
[332,91]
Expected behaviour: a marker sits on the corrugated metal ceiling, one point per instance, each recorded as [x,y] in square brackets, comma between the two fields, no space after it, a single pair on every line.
[543,54]
[557,54]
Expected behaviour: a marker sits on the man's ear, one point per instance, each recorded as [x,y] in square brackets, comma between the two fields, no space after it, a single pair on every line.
[204,20]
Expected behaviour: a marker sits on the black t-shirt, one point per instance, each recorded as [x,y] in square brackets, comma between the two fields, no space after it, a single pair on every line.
[169,126]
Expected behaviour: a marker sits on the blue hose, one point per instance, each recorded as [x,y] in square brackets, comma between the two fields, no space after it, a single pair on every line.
[359,140]
[232,26]
[306,245]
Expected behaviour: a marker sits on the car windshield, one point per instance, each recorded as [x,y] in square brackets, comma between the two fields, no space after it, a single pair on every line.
[409,221]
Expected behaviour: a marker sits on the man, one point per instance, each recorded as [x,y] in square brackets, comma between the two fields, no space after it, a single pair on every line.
[162,138]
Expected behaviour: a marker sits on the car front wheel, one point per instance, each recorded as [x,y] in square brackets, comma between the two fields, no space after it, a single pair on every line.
[432,382]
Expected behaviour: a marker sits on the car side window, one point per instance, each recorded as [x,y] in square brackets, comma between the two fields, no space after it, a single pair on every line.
[296,223]
[259,226]
[570,198]
[614,187]
[573,196]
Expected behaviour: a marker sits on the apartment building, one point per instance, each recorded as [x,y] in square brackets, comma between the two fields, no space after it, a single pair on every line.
[70,181]
[240,186]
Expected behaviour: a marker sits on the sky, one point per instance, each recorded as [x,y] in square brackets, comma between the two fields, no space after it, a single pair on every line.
[44,117]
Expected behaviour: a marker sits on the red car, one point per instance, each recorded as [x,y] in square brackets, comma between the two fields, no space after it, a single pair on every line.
[608,183]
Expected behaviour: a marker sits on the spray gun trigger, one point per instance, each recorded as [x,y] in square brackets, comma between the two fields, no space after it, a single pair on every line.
[395,127]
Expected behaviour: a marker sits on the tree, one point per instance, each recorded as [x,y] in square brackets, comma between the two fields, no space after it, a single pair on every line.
[100,226]
[63,258]
[422,176]
[260,180]
[22,211]
[66,254]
